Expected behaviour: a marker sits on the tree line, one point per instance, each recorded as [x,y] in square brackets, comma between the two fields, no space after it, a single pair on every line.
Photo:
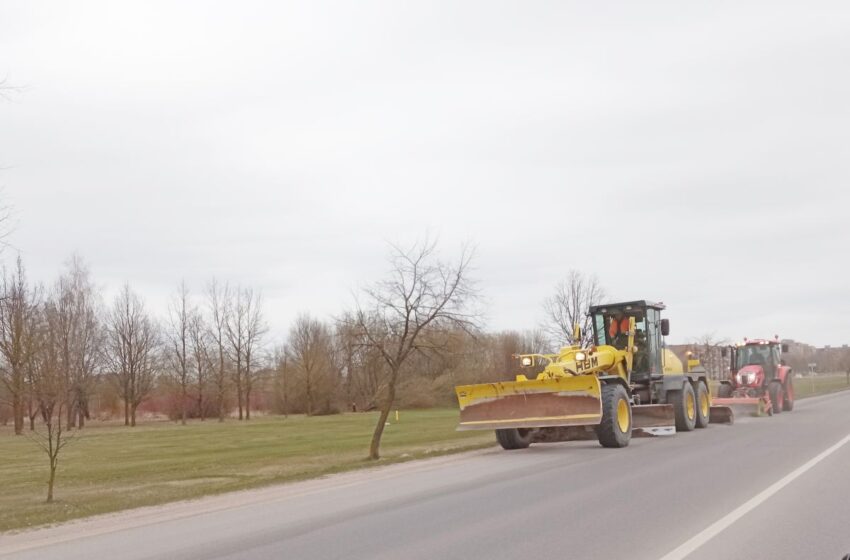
[406,340]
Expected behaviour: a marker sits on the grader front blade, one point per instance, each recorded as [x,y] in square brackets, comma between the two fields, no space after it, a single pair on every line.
[538,403]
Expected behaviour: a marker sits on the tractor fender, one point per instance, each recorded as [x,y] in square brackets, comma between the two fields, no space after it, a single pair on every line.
[783,373]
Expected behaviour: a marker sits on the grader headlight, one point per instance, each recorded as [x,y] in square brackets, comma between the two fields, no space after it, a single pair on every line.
[581,356]
[527,361]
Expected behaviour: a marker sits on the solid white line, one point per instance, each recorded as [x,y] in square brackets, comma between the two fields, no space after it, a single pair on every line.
[712,530]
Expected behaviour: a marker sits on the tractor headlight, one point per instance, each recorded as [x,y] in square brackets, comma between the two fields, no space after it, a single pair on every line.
[747,378]
[527,362]
[580,356]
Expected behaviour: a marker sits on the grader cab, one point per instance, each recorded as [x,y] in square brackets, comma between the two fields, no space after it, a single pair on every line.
[623,383]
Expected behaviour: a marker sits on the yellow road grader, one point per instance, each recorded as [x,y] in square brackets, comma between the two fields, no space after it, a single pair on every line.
[626,382]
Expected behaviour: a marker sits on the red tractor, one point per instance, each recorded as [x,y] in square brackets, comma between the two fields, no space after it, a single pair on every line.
[758,377]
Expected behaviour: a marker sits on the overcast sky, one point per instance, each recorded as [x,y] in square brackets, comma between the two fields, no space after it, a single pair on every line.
[693,153]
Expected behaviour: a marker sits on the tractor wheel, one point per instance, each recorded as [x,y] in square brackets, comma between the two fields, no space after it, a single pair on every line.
[703,405]
[776,393]
[788,401]
[724,391]
[684,408]
[514,438]
[615,430]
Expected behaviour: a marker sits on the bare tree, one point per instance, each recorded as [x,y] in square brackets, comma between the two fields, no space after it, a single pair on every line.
[568,307]
[51,388]
[310,350]
[236,325]
[346,348]
[420,294]
[217,297]
[201,357]
[132,351]
[281,360]
[76,307]
[179,345]
[707,349]
[244,329]
[19,303]
[255,330]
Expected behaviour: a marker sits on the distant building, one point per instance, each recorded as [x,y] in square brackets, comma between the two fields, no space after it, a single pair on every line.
[828,358]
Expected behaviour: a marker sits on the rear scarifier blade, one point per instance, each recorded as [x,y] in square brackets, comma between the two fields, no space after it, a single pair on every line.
[653,420]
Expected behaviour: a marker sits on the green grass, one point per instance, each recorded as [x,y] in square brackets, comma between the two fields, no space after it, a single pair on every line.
[819,385]
[109,468]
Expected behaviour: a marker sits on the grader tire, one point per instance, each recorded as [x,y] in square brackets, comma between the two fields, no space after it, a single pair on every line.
[703,405]
[775,391]
[684,408]
[514,438]
[615,430]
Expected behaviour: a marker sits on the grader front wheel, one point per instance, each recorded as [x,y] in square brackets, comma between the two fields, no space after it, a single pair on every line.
[615,430]
[514,438]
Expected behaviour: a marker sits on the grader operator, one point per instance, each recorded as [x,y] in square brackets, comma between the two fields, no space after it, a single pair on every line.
[625,382]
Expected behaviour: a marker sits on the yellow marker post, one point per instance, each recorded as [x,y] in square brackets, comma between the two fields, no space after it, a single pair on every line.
[396,415]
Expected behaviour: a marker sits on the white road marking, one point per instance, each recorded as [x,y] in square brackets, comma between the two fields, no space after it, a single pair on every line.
[715,528]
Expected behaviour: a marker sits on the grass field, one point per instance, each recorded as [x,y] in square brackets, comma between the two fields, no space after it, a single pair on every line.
[109,468]
[819,385]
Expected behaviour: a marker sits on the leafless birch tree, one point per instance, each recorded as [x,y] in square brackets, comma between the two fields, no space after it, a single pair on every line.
[76,306]
[217,300]
[255,330]
[568,306]
[179,345]
[244,329]
[201,358]
[235,331]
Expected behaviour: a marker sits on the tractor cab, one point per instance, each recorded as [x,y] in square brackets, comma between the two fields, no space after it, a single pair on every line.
[766,354]
[611,327]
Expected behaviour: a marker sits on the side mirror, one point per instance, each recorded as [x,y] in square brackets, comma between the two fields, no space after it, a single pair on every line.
[784,348]
[723,352]
[665,327]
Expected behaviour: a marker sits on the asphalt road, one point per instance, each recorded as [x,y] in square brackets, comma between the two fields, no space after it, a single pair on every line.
[764,488]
